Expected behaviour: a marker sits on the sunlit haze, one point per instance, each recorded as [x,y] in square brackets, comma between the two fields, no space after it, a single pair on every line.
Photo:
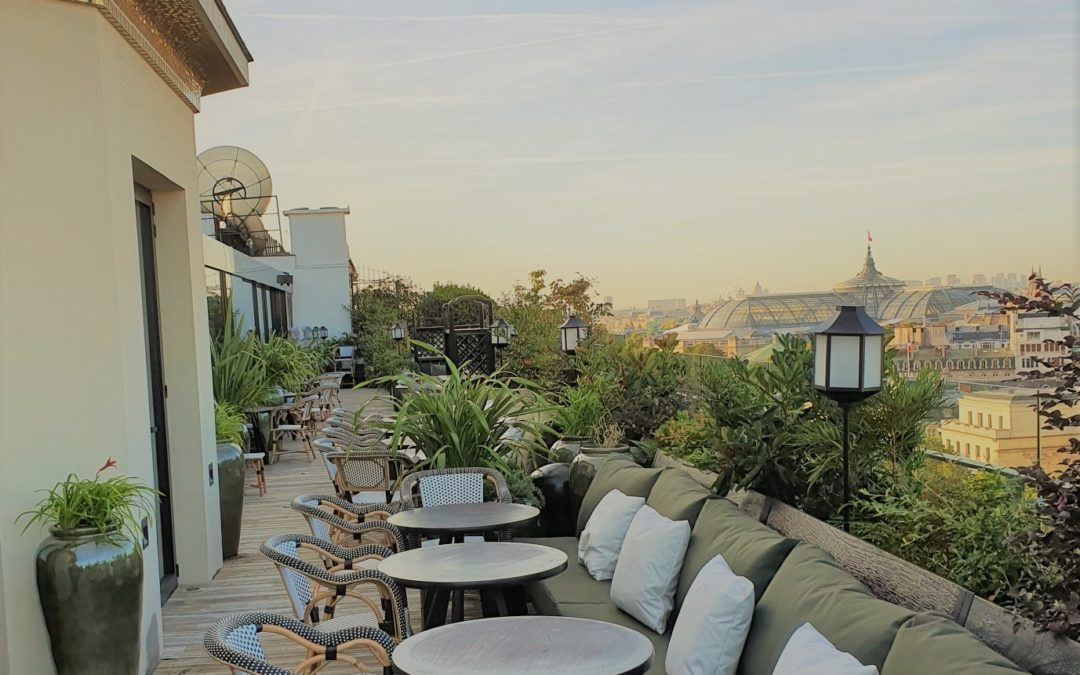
[669,149]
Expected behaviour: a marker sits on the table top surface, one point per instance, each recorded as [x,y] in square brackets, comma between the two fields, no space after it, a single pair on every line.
[474,565]
[526,645]
[452,518]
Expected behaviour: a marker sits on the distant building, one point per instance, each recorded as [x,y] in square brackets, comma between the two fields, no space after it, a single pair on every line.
[1033,337]
[1000,427]
[952,280]
[978,279]
[933,281]
[667,305]
[746,323]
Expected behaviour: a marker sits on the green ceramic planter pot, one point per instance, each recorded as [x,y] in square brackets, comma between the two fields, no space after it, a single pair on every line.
[231,469]
[582,471]
[90,586]
[567,448]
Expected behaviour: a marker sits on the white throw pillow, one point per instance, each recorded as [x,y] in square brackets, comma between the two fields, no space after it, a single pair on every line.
[648,568]
[709,634]
[808,652]
[602,538]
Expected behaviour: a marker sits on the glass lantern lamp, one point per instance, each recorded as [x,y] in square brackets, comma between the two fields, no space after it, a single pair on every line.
[849,353]
[397,331]
[501,331]
[572,332]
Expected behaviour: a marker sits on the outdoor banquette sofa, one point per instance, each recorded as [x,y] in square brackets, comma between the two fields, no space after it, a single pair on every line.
[796,580]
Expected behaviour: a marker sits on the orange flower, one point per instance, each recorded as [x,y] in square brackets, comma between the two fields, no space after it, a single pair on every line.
[109,463]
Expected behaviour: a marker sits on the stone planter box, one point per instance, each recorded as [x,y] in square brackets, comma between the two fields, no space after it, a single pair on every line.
[706,478]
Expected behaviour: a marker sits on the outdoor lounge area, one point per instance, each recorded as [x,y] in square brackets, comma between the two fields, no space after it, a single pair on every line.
[446,571]
[478,338]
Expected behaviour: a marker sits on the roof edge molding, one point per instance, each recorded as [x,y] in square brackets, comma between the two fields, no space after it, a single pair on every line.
[191,44]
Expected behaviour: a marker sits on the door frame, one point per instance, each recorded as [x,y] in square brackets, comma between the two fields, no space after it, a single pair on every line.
[146,233]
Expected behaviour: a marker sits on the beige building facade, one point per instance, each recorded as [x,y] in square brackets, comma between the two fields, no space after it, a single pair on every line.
[1000,427]
[99,227]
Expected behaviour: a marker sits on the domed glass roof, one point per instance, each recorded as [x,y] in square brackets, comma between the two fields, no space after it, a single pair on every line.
[920,303]
[790,310]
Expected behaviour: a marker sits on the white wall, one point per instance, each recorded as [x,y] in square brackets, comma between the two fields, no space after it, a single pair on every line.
[321,289]
[73,362]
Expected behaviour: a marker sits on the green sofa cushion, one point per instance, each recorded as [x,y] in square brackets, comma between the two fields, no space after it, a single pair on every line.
[751,549]
[934,644]
[616,473]
[572,585]
[612,614]
[811,587]
[677,496]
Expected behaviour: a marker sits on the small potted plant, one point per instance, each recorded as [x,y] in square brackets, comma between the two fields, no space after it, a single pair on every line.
[90,571]
[229,429]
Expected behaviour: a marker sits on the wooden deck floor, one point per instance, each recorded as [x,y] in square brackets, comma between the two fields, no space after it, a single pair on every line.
[249,582]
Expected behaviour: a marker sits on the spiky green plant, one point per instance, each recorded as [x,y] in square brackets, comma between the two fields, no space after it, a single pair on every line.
[113,506]
[228,423]
[238,371]
[469,420]
[288,365]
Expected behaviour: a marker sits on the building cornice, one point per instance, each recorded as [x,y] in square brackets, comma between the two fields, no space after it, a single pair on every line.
[192,45]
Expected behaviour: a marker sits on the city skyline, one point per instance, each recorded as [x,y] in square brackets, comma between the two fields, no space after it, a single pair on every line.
[669,150]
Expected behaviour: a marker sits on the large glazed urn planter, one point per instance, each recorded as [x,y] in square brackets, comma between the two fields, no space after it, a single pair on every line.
[90,586]
[567,448]
[582,471]
[231,469]
[605,451]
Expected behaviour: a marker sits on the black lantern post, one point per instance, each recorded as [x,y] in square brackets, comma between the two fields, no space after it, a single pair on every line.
[501,331]
[397,331]
[849,355]
[572,332]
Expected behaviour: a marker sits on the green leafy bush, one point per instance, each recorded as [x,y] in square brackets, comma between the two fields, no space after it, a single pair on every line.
[375,310]
[954,522]
[647,386]
[690,437]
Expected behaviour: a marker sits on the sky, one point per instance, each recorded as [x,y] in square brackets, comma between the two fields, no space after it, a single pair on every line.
[670,149]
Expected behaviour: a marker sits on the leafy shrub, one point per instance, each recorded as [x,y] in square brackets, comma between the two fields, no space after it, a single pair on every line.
[375,310]
[689,437]
[954,522]
[648,386]
[778,435]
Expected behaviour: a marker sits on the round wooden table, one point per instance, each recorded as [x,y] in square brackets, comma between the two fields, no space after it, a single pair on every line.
[452,522]
[525,645]
[496,569]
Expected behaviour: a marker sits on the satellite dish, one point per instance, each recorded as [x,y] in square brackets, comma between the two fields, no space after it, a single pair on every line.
[234,185]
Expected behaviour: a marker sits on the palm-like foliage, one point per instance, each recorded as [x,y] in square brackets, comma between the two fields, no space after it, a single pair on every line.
[469,420]
[288,365]
[239,372]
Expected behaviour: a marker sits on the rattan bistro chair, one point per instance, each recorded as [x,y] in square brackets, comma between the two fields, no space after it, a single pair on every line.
[309,585]
[296,420]
[344,523]
[441,487]
[235,642]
